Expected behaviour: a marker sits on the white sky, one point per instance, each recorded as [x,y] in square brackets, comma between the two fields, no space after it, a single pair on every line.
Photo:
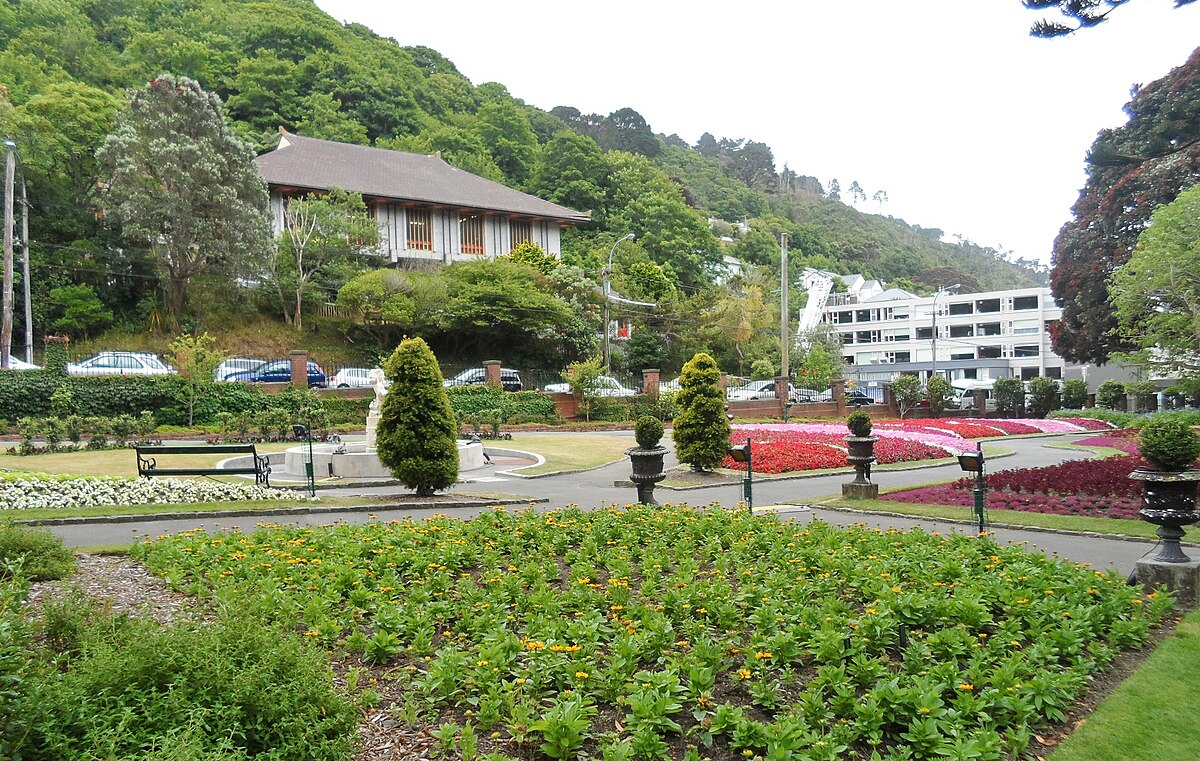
[969,124]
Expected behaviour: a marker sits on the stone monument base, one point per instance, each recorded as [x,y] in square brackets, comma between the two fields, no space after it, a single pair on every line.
[860,491]
[1183,579]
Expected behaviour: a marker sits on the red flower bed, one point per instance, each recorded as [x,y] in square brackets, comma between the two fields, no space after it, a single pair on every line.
[789,451]
[1014,427]
[1114,440]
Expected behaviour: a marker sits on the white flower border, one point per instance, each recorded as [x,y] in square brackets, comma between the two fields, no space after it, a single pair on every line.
[31,491]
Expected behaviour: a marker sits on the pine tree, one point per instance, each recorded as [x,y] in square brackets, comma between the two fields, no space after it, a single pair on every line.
[417,433]
[701,430]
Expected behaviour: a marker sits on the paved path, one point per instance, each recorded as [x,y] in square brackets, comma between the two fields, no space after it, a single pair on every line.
[596,488]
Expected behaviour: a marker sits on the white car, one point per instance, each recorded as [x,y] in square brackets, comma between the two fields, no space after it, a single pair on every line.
[606,385]
[235,365]
[20,364]
[120,363]
[351,377]
[759,389]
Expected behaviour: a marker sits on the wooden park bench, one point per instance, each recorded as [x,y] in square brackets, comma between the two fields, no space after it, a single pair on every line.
[147,457]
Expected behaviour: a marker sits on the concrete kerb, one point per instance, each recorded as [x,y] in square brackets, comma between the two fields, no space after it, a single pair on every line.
[268,512]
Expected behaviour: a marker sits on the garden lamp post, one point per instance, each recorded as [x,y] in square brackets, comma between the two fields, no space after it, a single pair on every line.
[305,431]
[604,276]
[741,453]
[972,462]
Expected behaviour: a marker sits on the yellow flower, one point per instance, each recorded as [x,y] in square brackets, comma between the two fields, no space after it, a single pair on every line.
[581,675]
[522,680]
[743,673]
[762,655]
[966,687]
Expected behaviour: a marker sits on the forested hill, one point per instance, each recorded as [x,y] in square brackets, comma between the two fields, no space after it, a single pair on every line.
[65,65]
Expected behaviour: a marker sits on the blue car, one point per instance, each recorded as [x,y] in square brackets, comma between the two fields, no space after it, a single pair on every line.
[279,371]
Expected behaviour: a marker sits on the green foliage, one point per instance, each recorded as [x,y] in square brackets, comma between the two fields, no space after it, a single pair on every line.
[1117,419]
[938,391]
[181,182]
[38,554]
[762,369]
[1111,394]
[701,430]
[80,310]
[531,254]
[418,430]
[1169,442]
[56,357]
[231,688]
[196,359]
[1009,394]
[1075,394]
[907,391]
[1044,396]
[648,432]
[822,362]
[859,423]
[564,727]
[526,406]
[583,378]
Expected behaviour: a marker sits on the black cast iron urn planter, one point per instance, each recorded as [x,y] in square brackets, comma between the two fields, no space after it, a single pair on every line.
[647,471]
[861,453]
[1169,502]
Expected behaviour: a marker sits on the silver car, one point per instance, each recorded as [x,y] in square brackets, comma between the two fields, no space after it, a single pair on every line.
[120,363]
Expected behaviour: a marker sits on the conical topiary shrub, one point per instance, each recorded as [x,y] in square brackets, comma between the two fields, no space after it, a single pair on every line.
[416,437]
[701,430]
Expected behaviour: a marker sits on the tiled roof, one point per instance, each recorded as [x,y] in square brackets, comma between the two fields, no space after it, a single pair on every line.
[311,164]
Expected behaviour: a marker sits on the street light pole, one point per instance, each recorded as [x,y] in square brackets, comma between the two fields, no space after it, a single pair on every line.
[604,275]
[940,292]
[10,162]
[25,271]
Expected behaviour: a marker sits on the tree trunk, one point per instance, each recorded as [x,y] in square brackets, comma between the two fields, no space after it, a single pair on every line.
[177,288]
[297,319]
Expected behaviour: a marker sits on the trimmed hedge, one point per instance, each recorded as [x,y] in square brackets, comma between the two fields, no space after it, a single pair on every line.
[524,405]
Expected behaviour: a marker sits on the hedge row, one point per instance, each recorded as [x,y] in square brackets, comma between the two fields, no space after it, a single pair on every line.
[522,405]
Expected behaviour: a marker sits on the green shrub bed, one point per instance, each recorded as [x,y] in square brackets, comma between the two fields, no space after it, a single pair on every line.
[636,633]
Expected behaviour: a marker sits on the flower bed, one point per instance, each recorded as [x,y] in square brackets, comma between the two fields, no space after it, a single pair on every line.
[788,448]
[32,491]
[651,628]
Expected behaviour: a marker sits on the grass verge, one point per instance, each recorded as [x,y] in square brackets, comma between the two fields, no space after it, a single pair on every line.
[1010,517]
[569,451]
[1150,716]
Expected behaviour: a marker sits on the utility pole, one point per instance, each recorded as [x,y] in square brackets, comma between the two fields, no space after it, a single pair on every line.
[25,271]
[784,336]
[10,162]
[604,276]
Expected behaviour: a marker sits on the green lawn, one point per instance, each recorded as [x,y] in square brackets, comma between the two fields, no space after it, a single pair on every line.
[569,451]
[1151,716]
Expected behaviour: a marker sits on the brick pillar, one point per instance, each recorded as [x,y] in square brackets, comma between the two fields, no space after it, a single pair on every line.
[491,372]
[299,360]
[980,397]
[838,386]
[889,399]
[782,388]
[650,381]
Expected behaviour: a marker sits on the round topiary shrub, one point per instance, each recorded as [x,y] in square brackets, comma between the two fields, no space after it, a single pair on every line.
[1169,443]
[417,434]
[648,432]
[859,424]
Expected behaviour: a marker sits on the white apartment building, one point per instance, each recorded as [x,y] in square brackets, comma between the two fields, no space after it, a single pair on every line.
[961,336]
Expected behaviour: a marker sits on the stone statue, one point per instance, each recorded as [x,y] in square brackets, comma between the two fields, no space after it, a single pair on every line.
[379,383]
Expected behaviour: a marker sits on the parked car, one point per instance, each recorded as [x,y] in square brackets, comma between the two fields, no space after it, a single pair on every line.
[280,371]
[853,397]
[120,363]
[606,385]
[351,377]
[20,364]
[755,390]
[510,380]
[235,365]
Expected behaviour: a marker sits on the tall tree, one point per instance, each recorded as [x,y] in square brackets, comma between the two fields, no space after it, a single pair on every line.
[1076,14]
[181,182]
[318,231]
[857,194]
[1131,170]
[1157,292]
[835,190]
[880,198]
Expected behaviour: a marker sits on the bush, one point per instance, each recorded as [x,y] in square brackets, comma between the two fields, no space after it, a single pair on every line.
[528,405]
[938,391]
[1111,394]
[1169,442]
[661,406]
[1075,394]
[907,391]
[859,424]
[235,688]
[701,430]
[648,432]
[1044,396]
[1119,419]
[418,430]
[40,553]
[1009,394]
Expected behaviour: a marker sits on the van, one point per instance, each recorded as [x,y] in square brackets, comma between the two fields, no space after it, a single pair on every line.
[966,392]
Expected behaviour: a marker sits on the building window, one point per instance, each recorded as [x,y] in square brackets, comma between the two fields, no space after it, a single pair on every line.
[924,334]
[847,338]
[420,229]
[1031,350]
[521,231]
[988,352]
[987,305]
[970,373]
[1025,302]
[843,318]
[962,331]
[1029,373]
[1054,372]
[899,313]
[988,329]
[962,355]
[901,356]
[863,315]
[470,234]
[965,307]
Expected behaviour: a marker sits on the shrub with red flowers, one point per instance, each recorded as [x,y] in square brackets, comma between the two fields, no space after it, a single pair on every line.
[787,450]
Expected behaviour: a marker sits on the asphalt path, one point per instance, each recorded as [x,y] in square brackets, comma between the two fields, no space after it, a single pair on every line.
[791,499]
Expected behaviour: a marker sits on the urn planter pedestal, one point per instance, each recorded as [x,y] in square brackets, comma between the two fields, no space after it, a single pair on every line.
[861,454]
[647,471]
[1169,502]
